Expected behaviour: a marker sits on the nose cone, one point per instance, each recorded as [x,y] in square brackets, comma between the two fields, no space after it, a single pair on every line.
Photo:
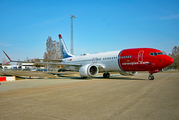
[171,60]
[168,60]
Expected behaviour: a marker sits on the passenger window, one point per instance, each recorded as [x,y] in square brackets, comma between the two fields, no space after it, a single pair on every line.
[155,54]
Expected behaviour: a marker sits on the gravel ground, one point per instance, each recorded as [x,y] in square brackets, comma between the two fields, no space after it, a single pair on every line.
[72,98]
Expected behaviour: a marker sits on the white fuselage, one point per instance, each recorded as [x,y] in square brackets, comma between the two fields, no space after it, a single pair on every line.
[108,60]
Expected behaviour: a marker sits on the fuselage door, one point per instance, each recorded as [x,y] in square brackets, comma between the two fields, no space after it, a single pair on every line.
[140,56]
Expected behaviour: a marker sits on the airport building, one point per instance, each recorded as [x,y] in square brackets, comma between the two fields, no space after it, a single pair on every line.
[23,66]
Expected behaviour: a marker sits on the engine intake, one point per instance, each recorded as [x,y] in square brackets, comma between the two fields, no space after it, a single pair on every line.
[88,70]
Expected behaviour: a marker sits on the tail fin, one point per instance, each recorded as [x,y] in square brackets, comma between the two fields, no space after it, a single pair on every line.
[65,53]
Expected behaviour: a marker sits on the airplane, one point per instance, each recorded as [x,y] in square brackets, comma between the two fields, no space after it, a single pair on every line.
[126,61]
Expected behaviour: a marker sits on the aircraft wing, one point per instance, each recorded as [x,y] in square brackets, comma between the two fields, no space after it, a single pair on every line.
[51,63]
[21,61]
[36,62]
[58,60]
[68,64]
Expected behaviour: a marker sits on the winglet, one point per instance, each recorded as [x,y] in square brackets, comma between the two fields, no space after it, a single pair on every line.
[5,63]
[7,56]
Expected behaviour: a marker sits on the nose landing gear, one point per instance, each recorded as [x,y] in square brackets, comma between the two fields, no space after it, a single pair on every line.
[151,77]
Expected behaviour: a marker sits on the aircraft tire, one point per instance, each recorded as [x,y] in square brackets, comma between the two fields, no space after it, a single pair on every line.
[106,75]
[151,77]
[83,77]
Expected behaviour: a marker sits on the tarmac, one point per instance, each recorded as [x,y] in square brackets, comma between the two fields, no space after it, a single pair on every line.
[72,98]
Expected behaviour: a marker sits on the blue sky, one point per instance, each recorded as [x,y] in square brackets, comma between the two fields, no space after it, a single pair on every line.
[100,25]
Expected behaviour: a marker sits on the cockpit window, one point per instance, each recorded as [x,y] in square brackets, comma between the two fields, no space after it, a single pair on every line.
[152,54]
[155,54]
[158,53]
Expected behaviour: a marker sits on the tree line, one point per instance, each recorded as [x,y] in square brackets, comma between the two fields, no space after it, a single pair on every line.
[175,56]
[53,50]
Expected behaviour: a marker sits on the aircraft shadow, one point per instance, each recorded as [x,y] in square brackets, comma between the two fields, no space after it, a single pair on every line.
[111,78]
[120,78]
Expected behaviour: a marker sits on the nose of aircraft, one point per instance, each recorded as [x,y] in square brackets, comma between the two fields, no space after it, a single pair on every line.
[165,61]
[169,60]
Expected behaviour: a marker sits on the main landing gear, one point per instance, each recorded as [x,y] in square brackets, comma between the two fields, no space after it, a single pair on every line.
[83,77]
[106,75]
[151,77]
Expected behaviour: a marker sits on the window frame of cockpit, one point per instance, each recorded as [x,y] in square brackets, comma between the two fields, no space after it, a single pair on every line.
[156,53]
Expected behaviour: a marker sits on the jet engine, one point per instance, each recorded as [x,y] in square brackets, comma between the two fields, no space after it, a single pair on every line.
[88,70]
[132,73]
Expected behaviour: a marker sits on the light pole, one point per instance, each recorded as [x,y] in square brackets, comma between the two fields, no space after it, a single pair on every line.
[72,33]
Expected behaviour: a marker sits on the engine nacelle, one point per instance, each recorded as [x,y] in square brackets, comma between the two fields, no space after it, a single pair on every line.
[88,70]
[132,73]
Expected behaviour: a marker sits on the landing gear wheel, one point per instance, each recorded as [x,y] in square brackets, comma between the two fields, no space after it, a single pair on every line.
[106,75]
[83,77]
[151,77]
